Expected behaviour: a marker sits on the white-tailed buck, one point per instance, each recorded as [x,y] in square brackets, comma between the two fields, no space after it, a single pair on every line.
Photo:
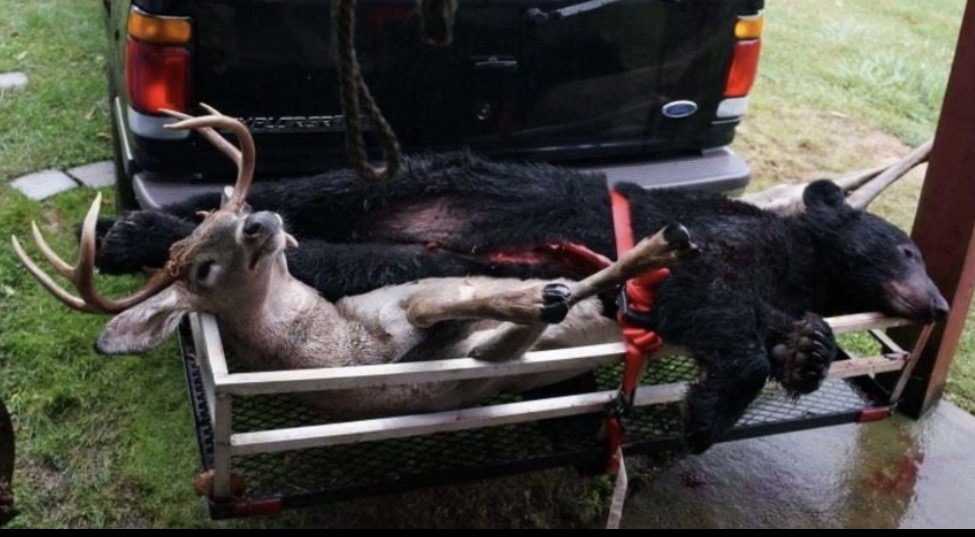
[233,266]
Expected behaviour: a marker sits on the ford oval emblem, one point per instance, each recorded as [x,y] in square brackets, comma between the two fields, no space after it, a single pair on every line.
[679,109]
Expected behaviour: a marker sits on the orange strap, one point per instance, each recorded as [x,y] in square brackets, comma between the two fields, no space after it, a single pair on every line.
[639,341]
[621,222]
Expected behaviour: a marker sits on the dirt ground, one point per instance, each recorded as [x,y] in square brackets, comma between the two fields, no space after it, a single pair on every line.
[795,145]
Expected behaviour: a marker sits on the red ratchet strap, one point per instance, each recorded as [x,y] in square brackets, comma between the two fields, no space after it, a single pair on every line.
[639,341]
[621,222]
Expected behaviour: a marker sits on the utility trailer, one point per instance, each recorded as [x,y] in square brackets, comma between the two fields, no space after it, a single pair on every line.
[262,451]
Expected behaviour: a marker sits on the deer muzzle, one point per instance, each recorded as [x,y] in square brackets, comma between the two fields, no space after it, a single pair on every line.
[263,234]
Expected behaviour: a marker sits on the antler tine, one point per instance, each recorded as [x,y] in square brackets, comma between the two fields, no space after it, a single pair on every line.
[211,110]
[82,275]
[211,135]
[870,190]
[67,298]
[245,165]
[226,147]
[59,264]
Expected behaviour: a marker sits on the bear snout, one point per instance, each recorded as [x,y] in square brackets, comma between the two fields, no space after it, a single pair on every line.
[917,299]
[940,307]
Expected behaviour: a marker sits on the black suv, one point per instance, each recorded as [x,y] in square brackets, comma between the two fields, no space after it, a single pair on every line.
[648,91]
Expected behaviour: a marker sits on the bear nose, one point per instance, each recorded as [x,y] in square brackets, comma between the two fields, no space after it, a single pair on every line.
[940,307]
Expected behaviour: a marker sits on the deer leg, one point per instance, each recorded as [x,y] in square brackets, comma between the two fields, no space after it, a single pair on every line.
[549,303]
[508,341]
[530,304]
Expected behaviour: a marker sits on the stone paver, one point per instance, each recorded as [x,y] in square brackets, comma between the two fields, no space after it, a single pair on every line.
[43,184]
[95,175]
[12,81]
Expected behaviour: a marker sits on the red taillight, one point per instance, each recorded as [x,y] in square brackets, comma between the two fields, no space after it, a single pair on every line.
[157,76]
[744,68]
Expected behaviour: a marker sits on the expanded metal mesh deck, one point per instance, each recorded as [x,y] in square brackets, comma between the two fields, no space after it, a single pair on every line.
[305,477]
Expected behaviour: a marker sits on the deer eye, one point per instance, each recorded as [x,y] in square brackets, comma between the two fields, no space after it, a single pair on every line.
[203,271]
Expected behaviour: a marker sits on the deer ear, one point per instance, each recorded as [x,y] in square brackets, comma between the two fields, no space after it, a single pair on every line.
[145,326]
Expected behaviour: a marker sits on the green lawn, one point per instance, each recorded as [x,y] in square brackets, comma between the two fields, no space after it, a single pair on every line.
[109,442]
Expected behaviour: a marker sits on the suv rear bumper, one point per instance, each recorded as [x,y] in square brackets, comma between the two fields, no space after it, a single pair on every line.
[717,170]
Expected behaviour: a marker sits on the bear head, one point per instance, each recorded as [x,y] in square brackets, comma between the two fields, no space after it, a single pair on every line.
[871,264]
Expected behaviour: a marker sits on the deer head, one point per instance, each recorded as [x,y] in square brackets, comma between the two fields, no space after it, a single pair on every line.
[231,260]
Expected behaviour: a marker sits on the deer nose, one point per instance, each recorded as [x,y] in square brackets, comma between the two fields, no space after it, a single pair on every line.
[260,224]
[252,228]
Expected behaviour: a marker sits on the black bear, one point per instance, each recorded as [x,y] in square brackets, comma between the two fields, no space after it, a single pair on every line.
[749,304]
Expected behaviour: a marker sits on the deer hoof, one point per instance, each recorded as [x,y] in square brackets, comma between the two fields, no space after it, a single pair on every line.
[677,237]
[556,299]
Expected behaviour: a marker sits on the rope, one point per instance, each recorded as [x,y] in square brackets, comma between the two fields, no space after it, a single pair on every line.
[619,494]
[356,99]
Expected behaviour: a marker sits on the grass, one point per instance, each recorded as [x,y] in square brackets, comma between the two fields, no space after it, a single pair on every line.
[883,62]
[62,117]
[844,85]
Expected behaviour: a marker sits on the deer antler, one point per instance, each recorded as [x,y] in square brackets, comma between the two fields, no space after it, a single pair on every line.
[245,157]
[210,134]
[82,274]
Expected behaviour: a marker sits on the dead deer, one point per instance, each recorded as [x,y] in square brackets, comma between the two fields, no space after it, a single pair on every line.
[233,266]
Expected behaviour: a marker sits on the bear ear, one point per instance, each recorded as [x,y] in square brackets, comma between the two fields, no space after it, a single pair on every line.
[823,194]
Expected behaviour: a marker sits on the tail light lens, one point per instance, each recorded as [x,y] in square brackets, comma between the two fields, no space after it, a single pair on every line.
[157,76]
[749,27]
[744,68]
[157,63]
[159,30]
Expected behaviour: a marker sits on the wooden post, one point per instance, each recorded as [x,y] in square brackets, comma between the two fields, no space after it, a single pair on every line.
[945,224]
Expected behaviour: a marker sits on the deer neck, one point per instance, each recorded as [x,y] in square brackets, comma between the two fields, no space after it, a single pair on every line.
[286,324]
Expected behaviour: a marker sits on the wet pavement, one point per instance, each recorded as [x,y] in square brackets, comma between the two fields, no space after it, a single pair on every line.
[897,473]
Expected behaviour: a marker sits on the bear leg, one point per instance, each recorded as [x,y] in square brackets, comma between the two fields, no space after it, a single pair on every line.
[138,241]
[717,402]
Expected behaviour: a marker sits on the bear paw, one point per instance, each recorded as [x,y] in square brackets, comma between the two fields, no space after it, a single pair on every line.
[801,362]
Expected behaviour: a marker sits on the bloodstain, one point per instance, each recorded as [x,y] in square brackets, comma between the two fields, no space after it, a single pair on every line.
[901,477]
[692,480]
